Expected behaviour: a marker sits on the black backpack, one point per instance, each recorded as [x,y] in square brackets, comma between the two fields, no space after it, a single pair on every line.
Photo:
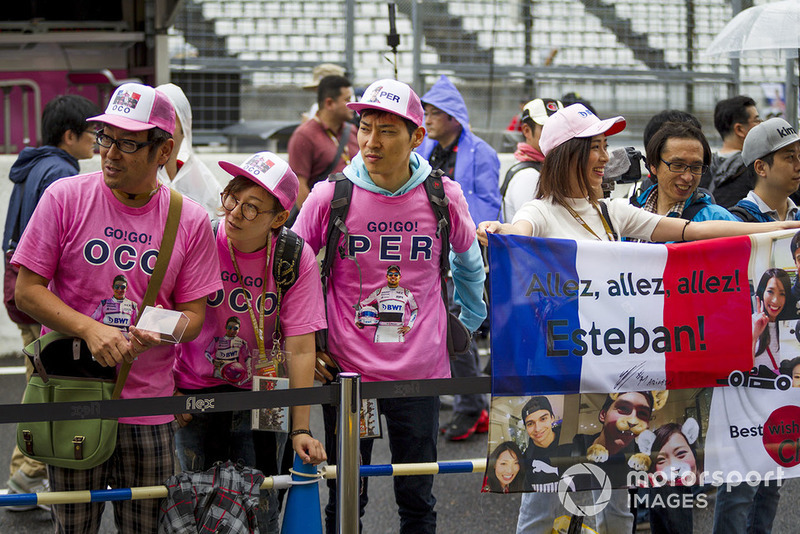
[458,337]
[510,174]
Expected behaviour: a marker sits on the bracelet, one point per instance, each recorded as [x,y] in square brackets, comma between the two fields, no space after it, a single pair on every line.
[683,232]
[299,431]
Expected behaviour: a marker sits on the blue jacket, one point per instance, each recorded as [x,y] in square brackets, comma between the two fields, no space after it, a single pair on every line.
[34,170]
[708,212]
[747,207]
[477,165]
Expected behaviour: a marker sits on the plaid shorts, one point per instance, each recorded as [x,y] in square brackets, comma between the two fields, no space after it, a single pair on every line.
[143,457]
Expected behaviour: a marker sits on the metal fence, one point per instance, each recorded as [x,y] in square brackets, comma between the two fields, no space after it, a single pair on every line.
[247,60]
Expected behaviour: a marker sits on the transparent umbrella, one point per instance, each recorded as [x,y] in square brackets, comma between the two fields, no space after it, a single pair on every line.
[767,29]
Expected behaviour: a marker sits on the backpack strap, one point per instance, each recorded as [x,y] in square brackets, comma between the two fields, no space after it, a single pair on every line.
[694,208]
[340,205]
[286,266]
[607,217]
[742,213]
[520,165]
[439,201]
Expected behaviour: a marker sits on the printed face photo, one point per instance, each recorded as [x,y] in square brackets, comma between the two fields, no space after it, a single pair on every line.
[539,426]
[628,415]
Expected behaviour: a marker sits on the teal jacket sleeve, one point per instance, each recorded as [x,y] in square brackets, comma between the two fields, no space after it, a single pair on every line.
[468,279]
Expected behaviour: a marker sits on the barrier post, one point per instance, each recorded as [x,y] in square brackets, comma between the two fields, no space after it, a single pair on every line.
[347,470]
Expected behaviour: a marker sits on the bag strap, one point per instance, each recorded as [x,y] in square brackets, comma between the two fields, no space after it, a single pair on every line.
[343,140]
[286,265]
[340,205]
[160,269]
[514,170]
[607,217]
[742,213]
[345,137]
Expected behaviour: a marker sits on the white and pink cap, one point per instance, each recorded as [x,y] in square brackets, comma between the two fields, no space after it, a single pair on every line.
[136,107]
[392,96]
[575,121]
[270,172]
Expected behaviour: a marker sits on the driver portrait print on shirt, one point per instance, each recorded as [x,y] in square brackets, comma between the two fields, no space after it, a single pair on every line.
[117,311]
[229,355]
[386,309]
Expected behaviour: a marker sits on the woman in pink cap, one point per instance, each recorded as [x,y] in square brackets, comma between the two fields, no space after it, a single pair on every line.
[240,337]
[569,205]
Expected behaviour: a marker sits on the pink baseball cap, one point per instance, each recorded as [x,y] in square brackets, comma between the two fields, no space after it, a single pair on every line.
[136,107]
[392,96]
[575,121]
[270,172]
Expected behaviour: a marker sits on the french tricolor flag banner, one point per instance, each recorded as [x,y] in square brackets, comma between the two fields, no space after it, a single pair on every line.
[591,317]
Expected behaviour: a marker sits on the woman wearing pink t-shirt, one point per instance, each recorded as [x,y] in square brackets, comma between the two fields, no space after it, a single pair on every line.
[241,318]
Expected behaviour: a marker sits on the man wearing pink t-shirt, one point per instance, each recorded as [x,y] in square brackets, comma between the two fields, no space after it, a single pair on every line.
[392,229]
[86,230]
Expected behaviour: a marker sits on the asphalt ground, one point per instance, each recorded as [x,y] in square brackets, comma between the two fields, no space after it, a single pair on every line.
[461,507]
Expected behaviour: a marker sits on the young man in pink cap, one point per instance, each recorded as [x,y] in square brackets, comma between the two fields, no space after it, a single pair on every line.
[256,204]
[390,222]
[87,230]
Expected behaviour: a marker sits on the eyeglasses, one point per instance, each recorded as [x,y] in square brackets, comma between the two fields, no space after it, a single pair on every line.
[233,327]
[680,168]
[434,112]
[249,212]
[120,287]
[124,145]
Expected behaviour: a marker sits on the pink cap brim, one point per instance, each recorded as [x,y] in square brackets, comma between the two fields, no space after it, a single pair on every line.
[608,127]
[121,122]
[234,170]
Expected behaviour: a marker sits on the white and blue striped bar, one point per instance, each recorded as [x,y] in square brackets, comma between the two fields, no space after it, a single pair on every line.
[476,465]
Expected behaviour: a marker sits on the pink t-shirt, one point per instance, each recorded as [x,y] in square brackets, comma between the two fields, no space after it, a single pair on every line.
[214,358]
[388,231]
[81,237]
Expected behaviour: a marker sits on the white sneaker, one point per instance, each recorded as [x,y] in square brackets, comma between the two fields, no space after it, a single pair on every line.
[22,483]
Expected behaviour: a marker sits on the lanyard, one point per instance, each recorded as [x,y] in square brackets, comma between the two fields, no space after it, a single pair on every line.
[771,357]
[258,327]
[336,141]
[578,218]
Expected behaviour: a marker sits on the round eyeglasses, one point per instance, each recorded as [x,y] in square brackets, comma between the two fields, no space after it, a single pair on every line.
[249,212]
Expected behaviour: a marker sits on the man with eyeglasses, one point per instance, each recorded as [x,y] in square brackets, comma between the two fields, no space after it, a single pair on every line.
[66,138]
[84,232]
[677,156]
[451,147]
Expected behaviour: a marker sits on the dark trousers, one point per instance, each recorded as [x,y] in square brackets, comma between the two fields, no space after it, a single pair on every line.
[411,425]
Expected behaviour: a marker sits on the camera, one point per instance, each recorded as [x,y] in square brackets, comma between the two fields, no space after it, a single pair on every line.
[624,166]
